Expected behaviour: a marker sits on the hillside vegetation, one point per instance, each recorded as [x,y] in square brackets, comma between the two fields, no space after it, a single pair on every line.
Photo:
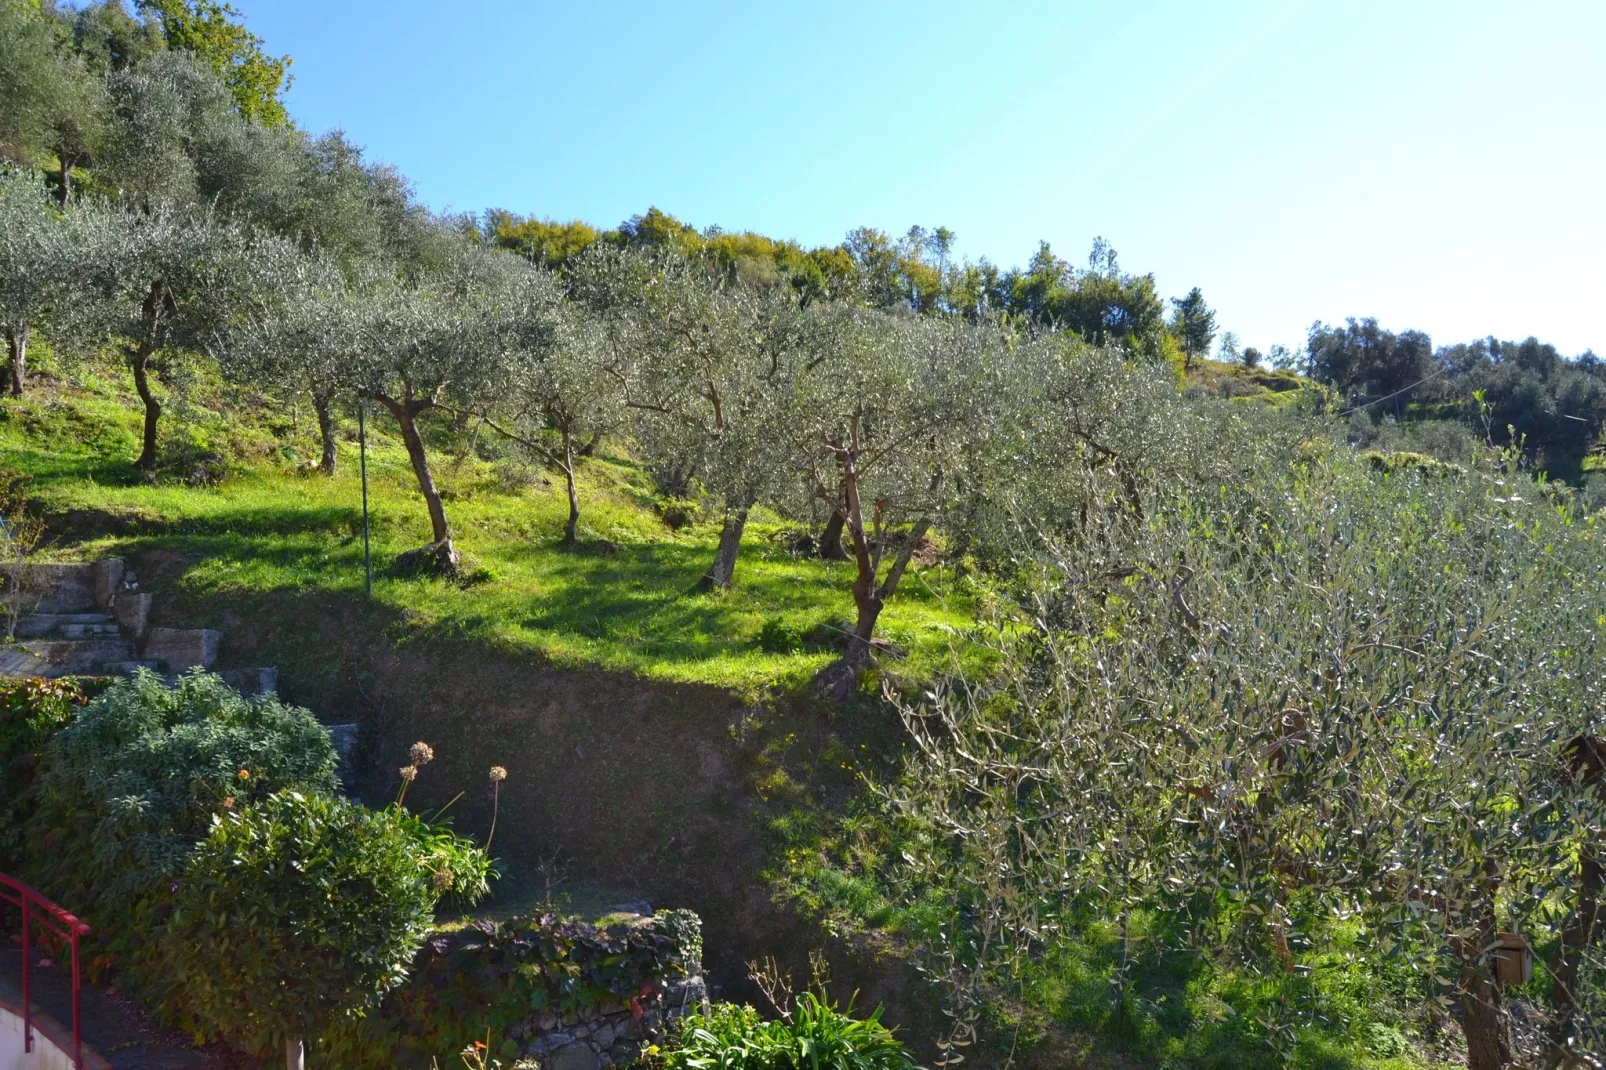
[1087,699]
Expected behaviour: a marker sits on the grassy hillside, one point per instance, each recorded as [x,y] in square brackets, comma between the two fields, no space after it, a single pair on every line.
[655,746]
[623,599]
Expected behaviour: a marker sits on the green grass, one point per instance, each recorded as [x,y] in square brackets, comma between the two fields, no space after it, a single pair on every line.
[623,599]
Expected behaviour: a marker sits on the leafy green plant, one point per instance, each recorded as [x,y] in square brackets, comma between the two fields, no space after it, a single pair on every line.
[297,911]
[132,783]
[32,710]
[778,637]
[815,1034]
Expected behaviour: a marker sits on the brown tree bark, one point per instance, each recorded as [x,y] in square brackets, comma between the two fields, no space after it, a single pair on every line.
[64,179]
[1483,1004]
[723,572]
[838,680]
[17,346]
[406,414]
[139,363]
[326,433]
[569,535]
[831,538]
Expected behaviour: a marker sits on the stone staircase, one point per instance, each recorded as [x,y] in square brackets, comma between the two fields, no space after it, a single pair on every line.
[91,619]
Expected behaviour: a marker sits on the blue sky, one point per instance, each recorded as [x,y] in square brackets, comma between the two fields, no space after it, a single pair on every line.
[1438,165]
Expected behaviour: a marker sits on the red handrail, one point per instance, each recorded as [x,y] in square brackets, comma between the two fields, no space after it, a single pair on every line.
[62,924]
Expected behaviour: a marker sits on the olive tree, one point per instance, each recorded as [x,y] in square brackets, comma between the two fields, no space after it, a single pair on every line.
[558,383]
[306,340]
[446,345]
[168,280]
[1301,696]
[168,117]
[43,257]
[705,363]
[879,426]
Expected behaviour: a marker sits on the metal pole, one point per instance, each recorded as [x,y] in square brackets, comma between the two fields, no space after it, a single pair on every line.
[27,997]
[362,446]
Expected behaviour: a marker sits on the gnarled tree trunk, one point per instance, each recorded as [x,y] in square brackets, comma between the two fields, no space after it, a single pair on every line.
[569,535]
[139,362]
[440,550]
[17,346]
[723,571]
[1483,1004]
[831,538]
[838,680]
[326,433]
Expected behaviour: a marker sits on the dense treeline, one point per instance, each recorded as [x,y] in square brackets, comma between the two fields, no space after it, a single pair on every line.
[1524,392]
[1288,700]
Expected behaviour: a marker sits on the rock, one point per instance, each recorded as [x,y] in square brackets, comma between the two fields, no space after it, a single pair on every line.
[436,559]
[573,1057]
[133,612]
[54,588]
[639,907]
[261,681]
[603,1037]
[183,649]
[108,572]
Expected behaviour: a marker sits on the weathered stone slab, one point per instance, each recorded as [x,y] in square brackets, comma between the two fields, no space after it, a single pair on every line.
[183,649]
[108,572]
[53,588]
[71,657]
[133,612]
[261,681]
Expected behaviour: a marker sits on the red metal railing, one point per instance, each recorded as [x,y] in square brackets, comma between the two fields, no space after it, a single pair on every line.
[60,923]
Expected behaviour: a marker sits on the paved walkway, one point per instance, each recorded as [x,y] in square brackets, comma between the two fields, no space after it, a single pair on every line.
[113,1026]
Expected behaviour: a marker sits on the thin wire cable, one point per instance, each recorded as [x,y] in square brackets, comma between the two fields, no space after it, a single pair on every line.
[1398,392]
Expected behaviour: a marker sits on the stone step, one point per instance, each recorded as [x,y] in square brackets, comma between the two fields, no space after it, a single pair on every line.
[108,630]
[55,588]
[39,625]
[259,681]
[129,668]
[65,657]
[183,649]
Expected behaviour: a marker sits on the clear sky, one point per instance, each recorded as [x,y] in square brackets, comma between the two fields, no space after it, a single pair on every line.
[1438,164]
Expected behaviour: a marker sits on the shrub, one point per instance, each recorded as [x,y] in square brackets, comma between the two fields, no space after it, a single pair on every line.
[32,710]
[132,783]
[778,637]
[294,912]
[814,1035]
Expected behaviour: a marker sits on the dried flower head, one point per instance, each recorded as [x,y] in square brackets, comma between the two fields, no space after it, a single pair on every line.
[498,774]
[408,773]
[421,753]
[443,879]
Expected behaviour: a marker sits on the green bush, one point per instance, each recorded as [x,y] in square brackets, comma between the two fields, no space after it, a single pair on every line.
[32,710]
[131,784]
[814,1035]
[297,911]
[778,637]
